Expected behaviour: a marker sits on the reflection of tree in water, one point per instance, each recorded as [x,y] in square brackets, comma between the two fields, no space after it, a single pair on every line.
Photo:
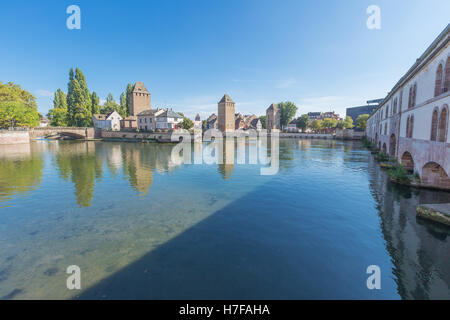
[19,173]
[420,249]
[140,160]
[78,162]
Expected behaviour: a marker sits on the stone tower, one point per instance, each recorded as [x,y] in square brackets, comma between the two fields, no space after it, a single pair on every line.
[272,118]
[140,99]
[226,114]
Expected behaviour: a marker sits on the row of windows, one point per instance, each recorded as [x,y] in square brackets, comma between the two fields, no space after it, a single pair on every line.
[439,123]
[442,85]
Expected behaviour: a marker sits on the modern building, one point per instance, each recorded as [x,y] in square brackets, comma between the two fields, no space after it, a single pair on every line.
[355,112]
[226,116]
[109,121]
[273,118]
[411,123]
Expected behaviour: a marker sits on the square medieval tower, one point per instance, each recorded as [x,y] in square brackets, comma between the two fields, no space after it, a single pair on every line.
[140,99]
[226,114]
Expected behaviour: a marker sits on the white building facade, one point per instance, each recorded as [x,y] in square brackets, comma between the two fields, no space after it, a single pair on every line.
[109,121]
[411,124]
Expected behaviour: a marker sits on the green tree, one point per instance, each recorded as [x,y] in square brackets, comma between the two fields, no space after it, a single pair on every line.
[58,117]
[95,103]
[348,123]
[361,121]
[110,104]
[127,96]
[187,123]
[79,104]
[123,106]
[17,114]
[303,122]
[287,112]
[10,92]
[316,125]
[60,99]
[329,123]
[263,121]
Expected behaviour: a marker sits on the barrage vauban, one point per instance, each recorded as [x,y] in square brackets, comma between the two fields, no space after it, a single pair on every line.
[241,309]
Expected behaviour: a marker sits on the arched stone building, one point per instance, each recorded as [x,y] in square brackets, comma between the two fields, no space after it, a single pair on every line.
[412,121]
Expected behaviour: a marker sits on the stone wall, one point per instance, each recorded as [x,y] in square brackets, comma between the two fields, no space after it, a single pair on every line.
[14,137]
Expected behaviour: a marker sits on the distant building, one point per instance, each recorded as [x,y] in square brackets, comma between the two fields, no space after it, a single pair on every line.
[355,112]
[129,123]
[292,126]
[109,121]
[256,124]
[197,122]
[168,119]
[314,116]
[211,122]
[272,118]
[44,122]
[239,122]
[226,117]
[146,120]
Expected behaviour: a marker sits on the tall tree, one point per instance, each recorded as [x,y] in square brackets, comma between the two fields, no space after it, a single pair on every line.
[60,99]
[78,100]
[95,103]
[303,122]
[287,112]
[128,97]
[110,104]
[123,106]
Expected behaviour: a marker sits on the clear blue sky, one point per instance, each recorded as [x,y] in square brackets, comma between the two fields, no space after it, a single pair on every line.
[318,54]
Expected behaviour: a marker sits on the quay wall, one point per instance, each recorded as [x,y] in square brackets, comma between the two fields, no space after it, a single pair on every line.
[14,137]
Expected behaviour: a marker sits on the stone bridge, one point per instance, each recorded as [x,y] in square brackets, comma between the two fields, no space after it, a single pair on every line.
[77,133]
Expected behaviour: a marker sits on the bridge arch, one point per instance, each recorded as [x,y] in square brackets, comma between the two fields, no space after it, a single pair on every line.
[433,175]
[407,161]
[392,145]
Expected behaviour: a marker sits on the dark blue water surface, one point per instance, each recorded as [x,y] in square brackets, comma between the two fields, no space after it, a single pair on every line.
[141,227]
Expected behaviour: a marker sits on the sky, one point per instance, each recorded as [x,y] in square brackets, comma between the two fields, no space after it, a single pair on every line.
[318,54]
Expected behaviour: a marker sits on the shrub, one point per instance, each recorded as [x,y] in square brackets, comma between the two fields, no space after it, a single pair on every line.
[399,174]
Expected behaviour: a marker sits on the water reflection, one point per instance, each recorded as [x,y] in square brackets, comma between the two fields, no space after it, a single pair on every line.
[20,170]
[420,249]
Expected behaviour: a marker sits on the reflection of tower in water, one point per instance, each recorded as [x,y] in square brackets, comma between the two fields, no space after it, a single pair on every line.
[227,156]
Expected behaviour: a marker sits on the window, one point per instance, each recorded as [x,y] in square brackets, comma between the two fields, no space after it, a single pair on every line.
[443,124]
[438,82]
[385,128]
[410,97]
[394,111]
[410,126]
[387,112]
[447,76]
[434,124]
[401,101]
[414,95]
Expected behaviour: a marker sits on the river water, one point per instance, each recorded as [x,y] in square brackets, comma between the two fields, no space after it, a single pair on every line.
[140,226]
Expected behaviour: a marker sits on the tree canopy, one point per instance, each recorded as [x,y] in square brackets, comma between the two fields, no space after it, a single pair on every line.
[361,121]
[79,100]
[303,122]
[18,107]
[287,112]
